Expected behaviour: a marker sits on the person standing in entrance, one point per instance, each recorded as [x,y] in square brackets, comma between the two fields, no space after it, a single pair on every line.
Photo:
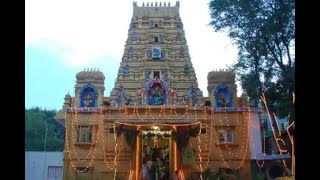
[144,171]
[175,175]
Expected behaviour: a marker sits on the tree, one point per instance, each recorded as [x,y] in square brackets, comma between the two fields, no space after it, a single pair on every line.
[36,122]
[264,32]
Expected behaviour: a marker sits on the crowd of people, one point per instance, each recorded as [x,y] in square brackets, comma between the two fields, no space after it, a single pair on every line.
[155,164]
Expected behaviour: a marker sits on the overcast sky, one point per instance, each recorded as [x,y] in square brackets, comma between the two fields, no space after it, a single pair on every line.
[65,36]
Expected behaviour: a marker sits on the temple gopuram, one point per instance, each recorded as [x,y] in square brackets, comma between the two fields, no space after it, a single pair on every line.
[156,115]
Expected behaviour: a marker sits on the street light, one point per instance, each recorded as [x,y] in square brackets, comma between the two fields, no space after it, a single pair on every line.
[45,136]
[44,148]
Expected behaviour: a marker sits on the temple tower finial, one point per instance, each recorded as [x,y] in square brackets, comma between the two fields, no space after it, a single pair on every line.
[178,3]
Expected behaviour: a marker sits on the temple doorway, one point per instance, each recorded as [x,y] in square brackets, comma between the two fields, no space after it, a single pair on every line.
[156,152]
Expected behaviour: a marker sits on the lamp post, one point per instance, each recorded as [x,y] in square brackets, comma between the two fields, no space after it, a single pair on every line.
[44,149]
[45,136]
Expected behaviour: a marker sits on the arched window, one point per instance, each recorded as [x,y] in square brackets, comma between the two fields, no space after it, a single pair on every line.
[226,136]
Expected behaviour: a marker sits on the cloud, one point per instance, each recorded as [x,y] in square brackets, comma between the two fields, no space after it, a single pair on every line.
[208,50]
[82,32]
[79,31]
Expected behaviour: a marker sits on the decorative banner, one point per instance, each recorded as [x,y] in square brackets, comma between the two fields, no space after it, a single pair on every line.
[189,156]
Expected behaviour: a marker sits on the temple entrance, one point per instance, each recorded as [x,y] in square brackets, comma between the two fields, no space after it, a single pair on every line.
[156,152]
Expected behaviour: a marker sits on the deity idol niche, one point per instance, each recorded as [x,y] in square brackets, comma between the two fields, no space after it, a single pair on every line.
[88,97]
[156,92]
[223,96]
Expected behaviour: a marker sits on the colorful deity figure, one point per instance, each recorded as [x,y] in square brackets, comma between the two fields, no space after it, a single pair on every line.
[223,101]
[150,38]
[133,25]
[186,69]
[192,96]
[182,51]
[161,38]
[134,36]
[126,70]
[157,95]
[88,97]
[149,54]
[172,96]
[140,96]
[130,52]
[151,23]
[156,92]
[163,54]
[121,97]
[223,95]
[178,36]
[165,74]
[88,100]
[184,100]
[147,75]
[197,98]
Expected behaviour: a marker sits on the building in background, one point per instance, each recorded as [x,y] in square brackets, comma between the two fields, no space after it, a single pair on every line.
[43,165]
[276,156]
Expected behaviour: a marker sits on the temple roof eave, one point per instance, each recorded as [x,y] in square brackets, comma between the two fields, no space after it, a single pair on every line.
[144,107]
[156,121]
[60,117]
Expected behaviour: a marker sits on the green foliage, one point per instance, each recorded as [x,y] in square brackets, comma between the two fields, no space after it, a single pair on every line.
[285,178]
[119,130]
[207,174]
[264,32]
[36,122]
[150,135]
[183,134]
[120,177]
[259,176]
[70,178]
[131,135]
[194,131]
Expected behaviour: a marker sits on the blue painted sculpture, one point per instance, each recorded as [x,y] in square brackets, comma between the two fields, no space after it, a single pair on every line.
[88,96]
[223,95]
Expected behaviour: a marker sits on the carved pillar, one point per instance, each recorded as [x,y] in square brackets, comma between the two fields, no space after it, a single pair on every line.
[138,154]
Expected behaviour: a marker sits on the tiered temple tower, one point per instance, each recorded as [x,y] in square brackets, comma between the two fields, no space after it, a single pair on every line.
[156,48]
[156,103]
